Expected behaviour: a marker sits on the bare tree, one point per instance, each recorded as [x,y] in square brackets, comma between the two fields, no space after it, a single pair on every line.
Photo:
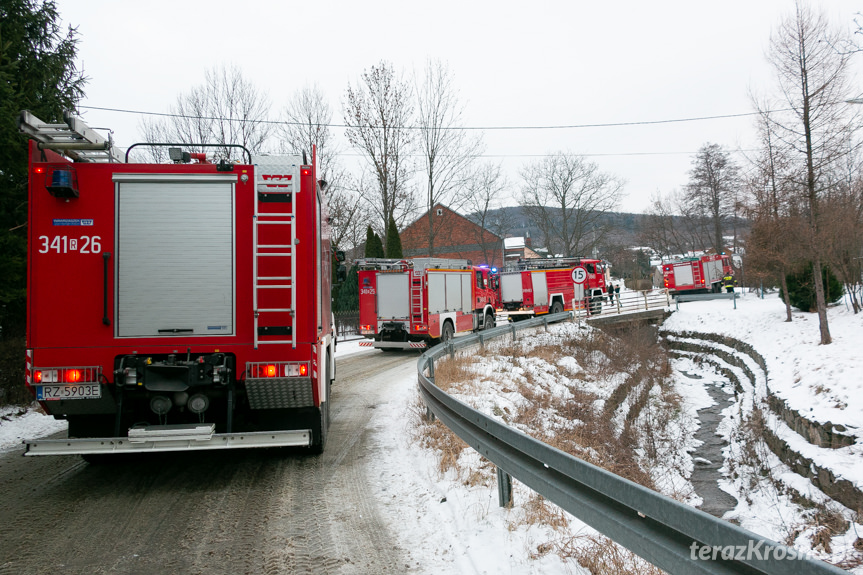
[306,120]
[842,211]
[771,250]
[666,230]
[566,197]
[225,109]
[712,190]
[305,124]
[378,113]
[812,82]
[448,151]
[483,201]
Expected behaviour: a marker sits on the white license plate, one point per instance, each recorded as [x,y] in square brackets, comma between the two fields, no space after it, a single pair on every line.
[69,391]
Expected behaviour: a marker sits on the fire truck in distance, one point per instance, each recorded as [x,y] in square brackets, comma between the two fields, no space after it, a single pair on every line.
[533,287]
[417,303]
[175,306]
[697,274]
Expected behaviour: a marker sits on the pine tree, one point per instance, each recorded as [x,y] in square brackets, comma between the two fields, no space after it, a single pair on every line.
[37,73]
[374,246]
[394,242]
[801,287]
[348,298]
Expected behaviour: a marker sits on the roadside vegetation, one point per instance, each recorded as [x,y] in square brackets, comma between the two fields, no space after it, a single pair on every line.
[606,399]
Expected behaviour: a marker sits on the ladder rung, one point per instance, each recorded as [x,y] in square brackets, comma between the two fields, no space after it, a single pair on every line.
[259,254]
[275,309]
[260,278]
[279,222]
[260,341]
[275,287]
[274,246]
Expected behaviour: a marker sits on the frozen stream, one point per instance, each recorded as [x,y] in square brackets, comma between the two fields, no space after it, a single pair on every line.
[708,456]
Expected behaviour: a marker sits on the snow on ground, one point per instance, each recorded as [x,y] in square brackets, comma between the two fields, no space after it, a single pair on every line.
[821,382]
[451,525]
[17,424]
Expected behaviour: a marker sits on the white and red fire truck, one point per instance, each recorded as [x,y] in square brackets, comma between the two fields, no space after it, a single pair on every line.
[416,303]
[175,306]
[537,286]
[697,274]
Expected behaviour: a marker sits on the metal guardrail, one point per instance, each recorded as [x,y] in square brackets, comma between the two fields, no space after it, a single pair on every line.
[673,536]
[629,302]
[684,297]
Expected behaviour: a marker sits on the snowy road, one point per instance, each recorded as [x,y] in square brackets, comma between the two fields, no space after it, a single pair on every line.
[250,511]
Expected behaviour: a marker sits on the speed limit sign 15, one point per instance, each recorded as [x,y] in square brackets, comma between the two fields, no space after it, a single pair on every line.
[579,275]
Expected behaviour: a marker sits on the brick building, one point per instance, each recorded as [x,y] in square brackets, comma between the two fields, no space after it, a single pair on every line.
[455,236]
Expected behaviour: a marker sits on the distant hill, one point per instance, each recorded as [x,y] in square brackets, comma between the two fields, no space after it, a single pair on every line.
[624,225]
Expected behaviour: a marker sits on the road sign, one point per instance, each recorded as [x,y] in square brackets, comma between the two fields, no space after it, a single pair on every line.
[579,275]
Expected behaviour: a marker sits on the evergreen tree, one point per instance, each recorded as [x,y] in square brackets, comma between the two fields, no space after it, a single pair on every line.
[37,73]
[348,298]
[394,242]
[801,288]
[374,246]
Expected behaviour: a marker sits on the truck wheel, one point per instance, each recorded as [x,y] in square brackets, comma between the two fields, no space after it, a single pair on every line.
[321,422]
[447,332]
[488,323]
[556,307]
[595,306]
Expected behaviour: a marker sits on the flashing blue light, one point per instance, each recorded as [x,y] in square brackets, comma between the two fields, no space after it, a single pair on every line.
[493,270]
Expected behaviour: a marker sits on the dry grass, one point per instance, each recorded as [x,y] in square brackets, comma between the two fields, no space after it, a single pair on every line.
[602,556]
[575,424]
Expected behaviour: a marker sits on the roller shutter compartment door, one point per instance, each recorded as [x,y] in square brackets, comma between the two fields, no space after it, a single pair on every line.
[175,258]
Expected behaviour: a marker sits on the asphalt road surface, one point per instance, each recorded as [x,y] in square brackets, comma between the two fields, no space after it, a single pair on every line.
[235,512]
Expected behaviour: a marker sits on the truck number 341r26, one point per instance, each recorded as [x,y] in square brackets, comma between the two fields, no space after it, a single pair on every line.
[65,244]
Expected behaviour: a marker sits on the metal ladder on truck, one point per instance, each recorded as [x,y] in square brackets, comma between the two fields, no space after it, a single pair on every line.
[74,138]
[275,186]
[416,289]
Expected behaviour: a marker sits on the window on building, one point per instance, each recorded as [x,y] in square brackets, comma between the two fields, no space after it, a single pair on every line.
[439,211]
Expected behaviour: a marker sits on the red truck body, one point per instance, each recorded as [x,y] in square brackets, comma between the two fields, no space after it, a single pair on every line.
[163,303]
[696,275]
[416,303]
[539,286]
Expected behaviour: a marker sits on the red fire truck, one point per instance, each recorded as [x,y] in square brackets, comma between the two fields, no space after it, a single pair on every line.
[537,286]
[175,306]
[696,275]
[416,303]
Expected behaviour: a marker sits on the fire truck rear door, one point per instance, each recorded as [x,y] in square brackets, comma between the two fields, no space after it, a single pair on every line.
[683,274]
[175,270]
[393,296]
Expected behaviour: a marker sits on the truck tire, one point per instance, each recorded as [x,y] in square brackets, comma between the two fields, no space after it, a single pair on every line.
[321,422]
[556,307]
[447,332]
[488,323]
[595,306]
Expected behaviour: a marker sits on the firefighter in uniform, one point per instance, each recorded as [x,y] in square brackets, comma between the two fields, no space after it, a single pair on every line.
[729,283]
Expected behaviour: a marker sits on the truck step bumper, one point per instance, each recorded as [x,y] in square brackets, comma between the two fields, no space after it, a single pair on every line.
[163,438]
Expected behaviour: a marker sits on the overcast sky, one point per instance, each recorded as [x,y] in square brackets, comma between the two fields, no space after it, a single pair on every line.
[541,63]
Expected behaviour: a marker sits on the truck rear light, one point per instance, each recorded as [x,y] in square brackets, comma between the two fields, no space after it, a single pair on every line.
[263,370]
[420,327]
[68,375]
